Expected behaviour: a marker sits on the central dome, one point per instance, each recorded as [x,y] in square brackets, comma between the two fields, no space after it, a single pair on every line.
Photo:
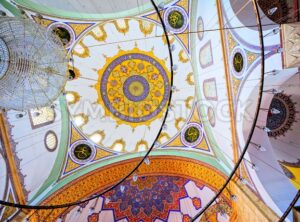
[121,90]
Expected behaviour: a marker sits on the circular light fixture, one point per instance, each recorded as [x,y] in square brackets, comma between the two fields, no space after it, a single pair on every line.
[32,66]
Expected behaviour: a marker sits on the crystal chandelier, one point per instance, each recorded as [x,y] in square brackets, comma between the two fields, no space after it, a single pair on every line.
[32,65]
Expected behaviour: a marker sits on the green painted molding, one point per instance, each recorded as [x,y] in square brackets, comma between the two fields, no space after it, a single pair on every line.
[63,148]
[15,11]
[54,12]
[207,127]
[161,152]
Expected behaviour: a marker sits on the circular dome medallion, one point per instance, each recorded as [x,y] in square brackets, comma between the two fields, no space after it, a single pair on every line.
[238,62]
[281,122]
[82,152]
[176,19]
[238,59]
[64,32]
[192,135]
[134,87]
[4,58]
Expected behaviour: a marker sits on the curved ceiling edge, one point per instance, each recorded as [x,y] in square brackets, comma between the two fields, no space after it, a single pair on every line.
[30,5]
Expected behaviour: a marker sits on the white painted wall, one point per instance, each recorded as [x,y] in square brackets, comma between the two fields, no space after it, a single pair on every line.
[36,161]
